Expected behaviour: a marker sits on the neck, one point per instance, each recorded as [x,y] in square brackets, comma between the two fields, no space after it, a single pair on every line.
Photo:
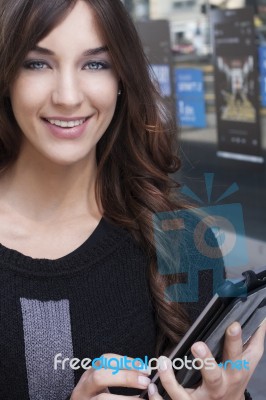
[45,191]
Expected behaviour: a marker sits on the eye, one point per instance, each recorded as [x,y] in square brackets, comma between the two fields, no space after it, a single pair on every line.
[31,64]
[96,65]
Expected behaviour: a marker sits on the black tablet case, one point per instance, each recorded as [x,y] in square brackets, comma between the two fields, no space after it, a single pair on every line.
[244,302]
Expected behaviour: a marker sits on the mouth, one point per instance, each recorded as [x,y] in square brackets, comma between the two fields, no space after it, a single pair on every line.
[67,128]
[67,124]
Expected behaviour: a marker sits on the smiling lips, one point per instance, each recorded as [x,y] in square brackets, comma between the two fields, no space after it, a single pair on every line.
[66,123]
[67,128]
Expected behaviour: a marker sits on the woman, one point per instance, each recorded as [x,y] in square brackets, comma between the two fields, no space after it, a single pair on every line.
[86,148]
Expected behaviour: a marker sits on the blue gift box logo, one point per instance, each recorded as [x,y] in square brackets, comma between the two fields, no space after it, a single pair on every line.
[191,240]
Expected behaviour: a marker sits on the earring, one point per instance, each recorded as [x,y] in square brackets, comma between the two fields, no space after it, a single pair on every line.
[119,92]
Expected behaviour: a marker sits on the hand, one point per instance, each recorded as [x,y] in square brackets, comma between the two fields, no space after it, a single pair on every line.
[94,384]
[218,383]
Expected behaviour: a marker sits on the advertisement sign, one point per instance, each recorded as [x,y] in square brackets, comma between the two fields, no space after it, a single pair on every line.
[236,84]
[190,98]
[163,78]
[262,68]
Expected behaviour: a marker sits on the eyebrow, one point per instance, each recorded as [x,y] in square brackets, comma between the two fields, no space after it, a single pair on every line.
[89,52]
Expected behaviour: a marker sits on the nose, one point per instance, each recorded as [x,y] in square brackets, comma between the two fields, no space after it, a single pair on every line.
[67,92]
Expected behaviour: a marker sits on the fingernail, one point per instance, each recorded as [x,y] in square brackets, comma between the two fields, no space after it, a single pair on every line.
[200,350]
[152,389]
[145,370]
[144,381]
[163,363]
[234,330]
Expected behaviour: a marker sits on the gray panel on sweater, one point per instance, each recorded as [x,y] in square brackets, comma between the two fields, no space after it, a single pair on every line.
[47,332]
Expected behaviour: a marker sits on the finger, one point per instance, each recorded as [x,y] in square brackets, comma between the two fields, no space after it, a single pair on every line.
[255,347]
[104,396]
[258,335]
[212,375]
[168,380]
[153,392]
[233,345]
[95,381]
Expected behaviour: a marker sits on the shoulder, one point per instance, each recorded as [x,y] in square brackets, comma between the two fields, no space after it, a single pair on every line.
[119,245]
[191,252]
[188,238]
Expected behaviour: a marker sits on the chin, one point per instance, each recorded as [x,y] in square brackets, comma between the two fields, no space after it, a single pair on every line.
[69,162]
[69,153]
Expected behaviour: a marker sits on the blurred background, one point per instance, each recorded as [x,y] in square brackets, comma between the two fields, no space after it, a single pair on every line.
[208,58]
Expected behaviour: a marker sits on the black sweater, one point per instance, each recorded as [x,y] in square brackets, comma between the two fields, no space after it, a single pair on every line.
[92,301]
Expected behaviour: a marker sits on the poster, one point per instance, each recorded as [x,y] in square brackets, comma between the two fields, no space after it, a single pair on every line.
[236,84]
[262,69]
[162,74]
[190,98]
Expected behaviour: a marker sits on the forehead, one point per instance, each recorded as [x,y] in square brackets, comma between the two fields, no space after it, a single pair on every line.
[78,29]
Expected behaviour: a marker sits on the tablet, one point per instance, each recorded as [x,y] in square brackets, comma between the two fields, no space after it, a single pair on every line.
[244,302]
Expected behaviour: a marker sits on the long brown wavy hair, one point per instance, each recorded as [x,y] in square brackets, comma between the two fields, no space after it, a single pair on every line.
[137,152]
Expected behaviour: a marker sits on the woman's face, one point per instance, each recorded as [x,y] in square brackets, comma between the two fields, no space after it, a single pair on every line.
[65,93]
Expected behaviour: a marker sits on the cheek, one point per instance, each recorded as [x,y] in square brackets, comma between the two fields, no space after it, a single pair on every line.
[102,92]
[25,98]
[106,102]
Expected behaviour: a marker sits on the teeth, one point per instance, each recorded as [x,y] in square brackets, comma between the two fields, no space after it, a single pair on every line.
[66,124]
